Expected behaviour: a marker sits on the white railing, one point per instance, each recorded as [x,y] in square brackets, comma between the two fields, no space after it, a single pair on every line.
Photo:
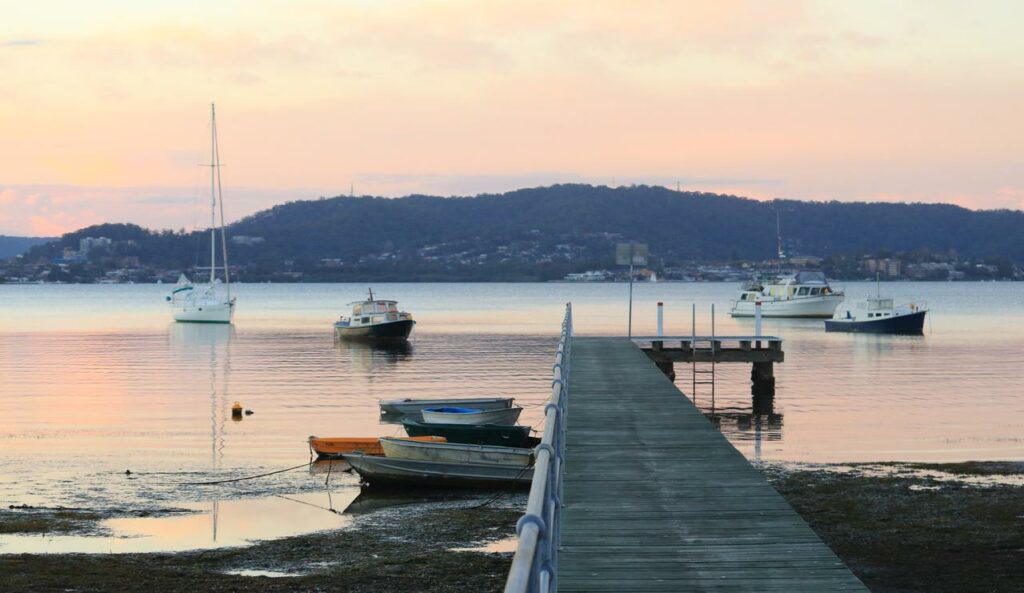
[535,565]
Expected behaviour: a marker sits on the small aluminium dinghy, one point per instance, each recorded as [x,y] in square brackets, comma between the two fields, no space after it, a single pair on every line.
[399,407]
[456,452]
[386,471]
[457,415]
[334,447]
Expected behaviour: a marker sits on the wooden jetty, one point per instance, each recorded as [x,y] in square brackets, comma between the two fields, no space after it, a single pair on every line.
[762,352]
[656,499]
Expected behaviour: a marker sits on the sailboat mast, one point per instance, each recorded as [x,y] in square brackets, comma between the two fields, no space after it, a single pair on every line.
[213,194]
[220,195]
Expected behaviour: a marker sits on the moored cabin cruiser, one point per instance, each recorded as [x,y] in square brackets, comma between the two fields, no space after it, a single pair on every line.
[375,320]
[877,315]
[803,294]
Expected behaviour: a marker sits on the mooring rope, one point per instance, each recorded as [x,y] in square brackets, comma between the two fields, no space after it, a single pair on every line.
[501,493]
[280,471]
[315,506]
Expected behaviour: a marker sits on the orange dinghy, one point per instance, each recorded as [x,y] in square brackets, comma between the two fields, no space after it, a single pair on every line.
[334,447]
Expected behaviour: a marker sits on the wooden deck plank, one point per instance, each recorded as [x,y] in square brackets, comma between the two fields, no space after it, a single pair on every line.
[657,499]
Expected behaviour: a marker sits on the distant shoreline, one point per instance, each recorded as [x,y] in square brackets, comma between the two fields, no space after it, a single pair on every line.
[501,281]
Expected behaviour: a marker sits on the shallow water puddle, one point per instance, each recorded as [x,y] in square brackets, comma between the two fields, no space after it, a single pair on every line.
[501,546]
[275,574]
[226,523]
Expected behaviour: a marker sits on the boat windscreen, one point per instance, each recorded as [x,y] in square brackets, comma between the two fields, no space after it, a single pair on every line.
[877,303]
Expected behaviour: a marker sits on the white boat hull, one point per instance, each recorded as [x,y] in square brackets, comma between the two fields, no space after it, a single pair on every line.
[456,453]
[204,313]
[823,306]
[415,406]
[507,416]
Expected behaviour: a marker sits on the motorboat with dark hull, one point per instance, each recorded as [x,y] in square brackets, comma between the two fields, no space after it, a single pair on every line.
[877,315]
[479,434]
[388,331]
[375,321]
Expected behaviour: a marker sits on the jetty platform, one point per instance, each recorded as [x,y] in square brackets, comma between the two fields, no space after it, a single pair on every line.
[638,491]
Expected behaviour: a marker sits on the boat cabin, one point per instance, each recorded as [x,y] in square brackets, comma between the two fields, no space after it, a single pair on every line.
[879,307]
[790,286]
[374,312]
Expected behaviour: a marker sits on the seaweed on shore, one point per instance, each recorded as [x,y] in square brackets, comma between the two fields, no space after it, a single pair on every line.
[901,533]
[406,549]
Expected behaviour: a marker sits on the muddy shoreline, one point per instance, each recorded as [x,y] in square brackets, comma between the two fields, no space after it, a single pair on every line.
[900,527]
[909,528]
[411,547]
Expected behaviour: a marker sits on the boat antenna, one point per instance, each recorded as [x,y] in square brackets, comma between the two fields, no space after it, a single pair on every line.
[878,284]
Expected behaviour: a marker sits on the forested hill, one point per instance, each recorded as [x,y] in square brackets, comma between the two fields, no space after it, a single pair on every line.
[558,229]
[683,225]
[10,246]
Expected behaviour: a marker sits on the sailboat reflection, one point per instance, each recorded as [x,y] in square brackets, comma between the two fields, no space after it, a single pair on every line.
[209,345]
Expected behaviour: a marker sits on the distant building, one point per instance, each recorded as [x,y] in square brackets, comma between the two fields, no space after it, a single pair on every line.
[804,260]
[246,240]
[589,276]
[89,243]
[885,266]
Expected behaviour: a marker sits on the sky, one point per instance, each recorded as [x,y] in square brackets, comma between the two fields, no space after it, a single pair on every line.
[105,110]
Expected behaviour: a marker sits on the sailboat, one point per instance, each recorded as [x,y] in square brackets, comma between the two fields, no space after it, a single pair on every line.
[209,302]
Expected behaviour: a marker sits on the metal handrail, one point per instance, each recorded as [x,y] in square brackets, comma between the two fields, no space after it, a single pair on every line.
[535,564]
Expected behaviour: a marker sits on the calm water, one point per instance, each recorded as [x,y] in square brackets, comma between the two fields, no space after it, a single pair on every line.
[95,380]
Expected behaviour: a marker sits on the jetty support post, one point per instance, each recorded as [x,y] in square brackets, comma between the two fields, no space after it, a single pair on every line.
[664,363]
[762,374]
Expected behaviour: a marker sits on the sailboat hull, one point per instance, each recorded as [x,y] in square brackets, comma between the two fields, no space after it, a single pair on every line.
[206,313]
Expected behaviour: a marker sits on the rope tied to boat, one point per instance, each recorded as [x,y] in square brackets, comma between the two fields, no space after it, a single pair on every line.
[498,496]
[280,471]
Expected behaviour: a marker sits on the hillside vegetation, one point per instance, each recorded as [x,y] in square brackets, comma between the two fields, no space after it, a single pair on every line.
[543,233]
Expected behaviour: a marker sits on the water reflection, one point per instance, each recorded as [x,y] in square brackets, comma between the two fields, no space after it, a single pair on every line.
[372,499]
[242,522]
[370,358]
[758,423]
[210,344]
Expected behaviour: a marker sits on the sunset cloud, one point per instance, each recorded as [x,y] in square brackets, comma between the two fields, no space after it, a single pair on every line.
[825,100]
